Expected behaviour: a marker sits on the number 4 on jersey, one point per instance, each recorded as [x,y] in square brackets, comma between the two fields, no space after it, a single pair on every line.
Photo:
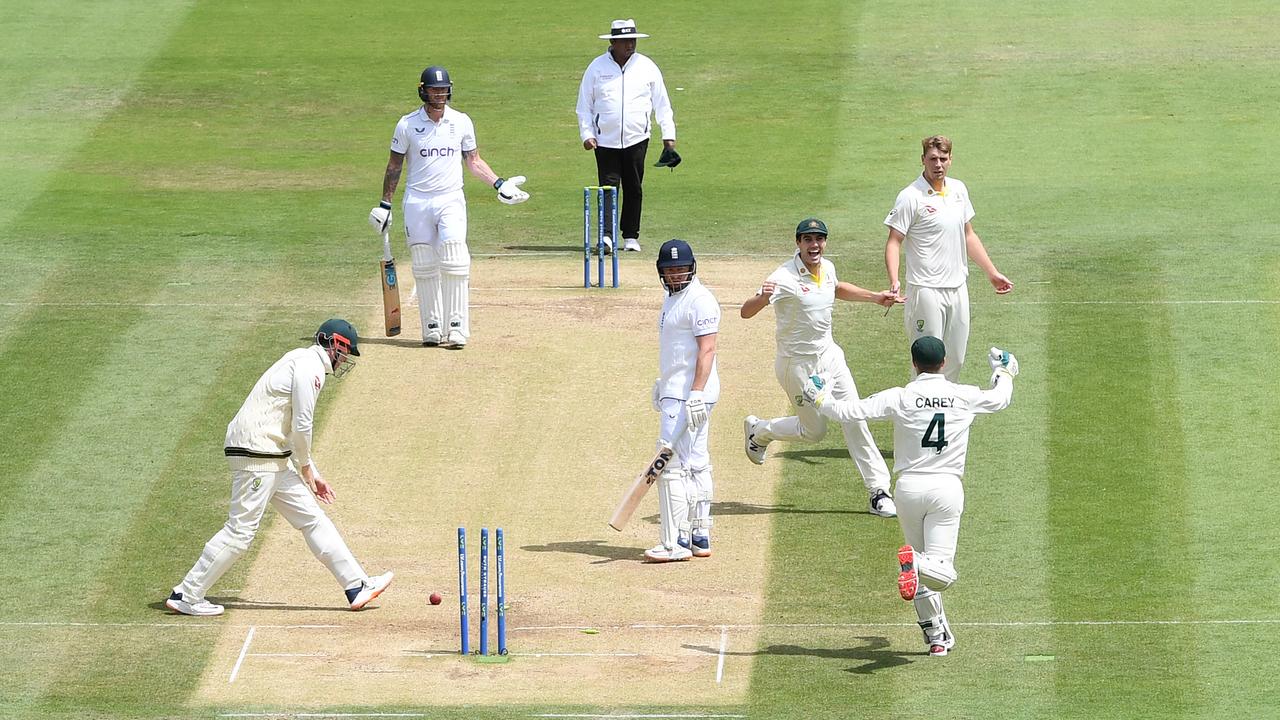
[939,423]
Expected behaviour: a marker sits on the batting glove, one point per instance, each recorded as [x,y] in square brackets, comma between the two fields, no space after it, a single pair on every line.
[697,410]
[509,190]
[380,217]
[1002,361]
[813,390]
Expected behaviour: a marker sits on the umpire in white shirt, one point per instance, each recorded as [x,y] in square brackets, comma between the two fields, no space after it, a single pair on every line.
[620,90]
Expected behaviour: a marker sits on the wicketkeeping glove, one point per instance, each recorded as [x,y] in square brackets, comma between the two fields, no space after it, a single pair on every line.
[509,190]
[380,217]
[1002,361]
[669,158]
[697,410]
[813,390]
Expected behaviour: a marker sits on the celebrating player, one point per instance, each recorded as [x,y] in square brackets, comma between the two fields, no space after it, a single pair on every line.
[803,292]
[684,395]
[432,139]
[931,418]
[932,220]
[267,439]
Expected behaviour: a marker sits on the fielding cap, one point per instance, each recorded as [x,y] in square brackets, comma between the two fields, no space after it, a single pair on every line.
[928,351]
[811,225]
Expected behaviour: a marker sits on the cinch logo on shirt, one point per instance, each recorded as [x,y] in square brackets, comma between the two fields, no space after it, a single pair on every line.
[436,152]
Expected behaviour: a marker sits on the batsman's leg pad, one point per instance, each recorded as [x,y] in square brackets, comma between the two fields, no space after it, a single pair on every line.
[700,492]
[426,272]
[455,267]
[936,574]
[673,506]
[930,616]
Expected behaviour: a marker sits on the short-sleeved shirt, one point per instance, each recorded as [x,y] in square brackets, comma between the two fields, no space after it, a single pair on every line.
[802,304]
[933,224]
[686,316]
[433,151]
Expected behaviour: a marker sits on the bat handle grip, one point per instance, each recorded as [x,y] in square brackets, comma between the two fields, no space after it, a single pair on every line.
[386,247]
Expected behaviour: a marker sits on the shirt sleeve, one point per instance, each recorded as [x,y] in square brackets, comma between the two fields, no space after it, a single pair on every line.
[307,381]
[968,207]
[901,215]
[997,398]
[662,106]
[468,142]
[876,407]
[400,138]
[587,104]
[706,316]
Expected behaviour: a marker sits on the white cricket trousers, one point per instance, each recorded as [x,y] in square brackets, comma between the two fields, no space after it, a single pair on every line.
[942,313]
[808,425]
[929,509]
[435,226]
[685,488]
[251,491]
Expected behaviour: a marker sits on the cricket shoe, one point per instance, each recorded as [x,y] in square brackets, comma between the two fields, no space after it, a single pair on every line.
[663,554]
[882,505]
[755,452]
[941,642]
[700,547]
[908,578]
[180,603]
[938,650]
[456,340]
[606,246]
[432,337]
[631,245]
[368,590]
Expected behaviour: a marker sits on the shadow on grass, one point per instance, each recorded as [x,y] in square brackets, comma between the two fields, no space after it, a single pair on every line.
[808,455]
[235,603]
[593,548]
[876,654]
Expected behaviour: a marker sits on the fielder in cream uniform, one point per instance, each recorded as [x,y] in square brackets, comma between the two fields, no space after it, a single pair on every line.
[436,141]
[932,221]
[803,292]
[267,439]
[684,394]
[931,419]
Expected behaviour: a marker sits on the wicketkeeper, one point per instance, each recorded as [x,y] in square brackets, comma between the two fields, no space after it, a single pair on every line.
[931,418]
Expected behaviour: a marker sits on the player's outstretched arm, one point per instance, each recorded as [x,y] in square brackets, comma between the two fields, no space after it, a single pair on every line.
[853,293]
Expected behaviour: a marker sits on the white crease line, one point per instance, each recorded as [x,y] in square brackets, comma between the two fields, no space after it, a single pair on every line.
[288,655]
[724,642]
[423,654]
[584,715]
[1011,623]
[321,715]
[243,651]
[179,625]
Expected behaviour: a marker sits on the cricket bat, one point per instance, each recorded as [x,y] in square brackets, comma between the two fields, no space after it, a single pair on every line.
[390,290]
[636,492]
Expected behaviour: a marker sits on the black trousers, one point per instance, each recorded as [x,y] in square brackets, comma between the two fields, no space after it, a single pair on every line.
[624,168]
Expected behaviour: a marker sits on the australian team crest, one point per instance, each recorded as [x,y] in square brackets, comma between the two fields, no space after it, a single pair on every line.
[919,326]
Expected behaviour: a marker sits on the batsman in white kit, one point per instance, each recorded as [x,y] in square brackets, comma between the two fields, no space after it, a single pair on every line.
[932,223]
[432,140]
[684,395]
[931,419]
[268,446]
[803,291]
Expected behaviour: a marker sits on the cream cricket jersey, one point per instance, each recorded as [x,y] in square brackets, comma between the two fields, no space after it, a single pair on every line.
[686,316]
[276,419]
[933,225]
[433,151]
[802,307]
[931,418]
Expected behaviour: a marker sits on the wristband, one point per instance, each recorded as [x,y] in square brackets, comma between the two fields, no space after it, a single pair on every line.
[498,183]
[384,205]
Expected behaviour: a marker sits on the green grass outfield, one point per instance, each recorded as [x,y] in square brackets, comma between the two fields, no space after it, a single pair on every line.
[183,194]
